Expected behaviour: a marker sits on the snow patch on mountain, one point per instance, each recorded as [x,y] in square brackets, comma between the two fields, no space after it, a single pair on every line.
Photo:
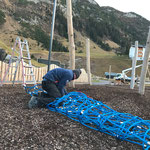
[130,15]
[92,2]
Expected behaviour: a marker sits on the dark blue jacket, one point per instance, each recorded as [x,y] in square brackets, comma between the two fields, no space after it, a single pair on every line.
[60,76]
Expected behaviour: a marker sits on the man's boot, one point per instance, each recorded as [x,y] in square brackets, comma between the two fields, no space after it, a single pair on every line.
[33,103]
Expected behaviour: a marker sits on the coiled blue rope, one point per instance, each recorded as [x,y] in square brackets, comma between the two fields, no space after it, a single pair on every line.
[98,116]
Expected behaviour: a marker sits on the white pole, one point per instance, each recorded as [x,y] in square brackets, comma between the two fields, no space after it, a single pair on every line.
[88,66]
[71,37]
[134,60]
[144,66]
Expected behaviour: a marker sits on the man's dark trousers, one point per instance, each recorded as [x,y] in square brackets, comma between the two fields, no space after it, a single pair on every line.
[51,88]
[52,91]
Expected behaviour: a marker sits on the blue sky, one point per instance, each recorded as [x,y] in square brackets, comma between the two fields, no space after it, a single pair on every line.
[141,7]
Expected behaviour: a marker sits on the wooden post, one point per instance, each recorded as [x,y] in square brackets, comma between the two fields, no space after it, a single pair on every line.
[109,71]
[134,60]
[148,73]
[144,66]
[88,66]
[1,73]
[71,37]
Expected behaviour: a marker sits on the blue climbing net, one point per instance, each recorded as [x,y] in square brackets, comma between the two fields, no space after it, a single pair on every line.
[98,116]
[34,90]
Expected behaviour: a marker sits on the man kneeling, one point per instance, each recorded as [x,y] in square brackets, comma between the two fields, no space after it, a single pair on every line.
[54,82]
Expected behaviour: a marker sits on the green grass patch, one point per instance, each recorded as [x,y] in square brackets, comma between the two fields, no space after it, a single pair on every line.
[35,63]
[2,18]
[5,47]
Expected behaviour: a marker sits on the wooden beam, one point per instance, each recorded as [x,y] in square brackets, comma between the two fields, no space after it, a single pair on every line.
[71,37]
[144,66]
[88,66]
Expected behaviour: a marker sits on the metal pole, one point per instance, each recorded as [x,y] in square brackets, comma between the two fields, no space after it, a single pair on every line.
[52,34]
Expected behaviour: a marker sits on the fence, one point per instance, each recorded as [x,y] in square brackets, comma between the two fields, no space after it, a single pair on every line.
[39,73]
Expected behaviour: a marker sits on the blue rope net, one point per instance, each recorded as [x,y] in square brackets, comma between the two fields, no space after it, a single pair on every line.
[33,90]
[98,116]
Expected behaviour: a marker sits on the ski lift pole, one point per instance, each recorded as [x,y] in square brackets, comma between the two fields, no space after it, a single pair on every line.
[52,33]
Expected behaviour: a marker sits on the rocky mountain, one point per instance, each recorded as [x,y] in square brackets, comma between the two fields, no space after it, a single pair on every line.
[32,19]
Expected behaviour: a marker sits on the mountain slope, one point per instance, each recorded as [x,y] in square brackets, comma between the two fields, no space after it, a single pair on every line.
[98,23]
[108,29]
[101,23]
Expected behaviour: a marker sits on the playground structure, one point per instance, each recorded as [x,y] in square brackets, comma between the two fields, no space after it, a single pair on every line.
[126,71]
[136,53]
[98,116]
[139,54]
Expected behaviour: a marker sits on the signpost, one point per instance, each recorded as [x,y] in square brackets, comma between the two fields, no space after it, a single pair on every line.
[140,52]
[134,60]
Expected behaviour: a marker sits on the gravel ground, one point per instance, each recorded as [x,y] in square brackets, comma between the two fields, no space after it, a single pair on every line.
[41,129]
